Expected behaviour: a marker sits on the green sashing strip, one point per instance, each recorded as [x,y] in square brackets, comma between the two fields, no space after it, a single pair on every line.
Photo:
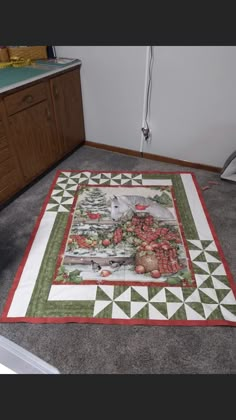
[184,208]
[72,308]
[42,287]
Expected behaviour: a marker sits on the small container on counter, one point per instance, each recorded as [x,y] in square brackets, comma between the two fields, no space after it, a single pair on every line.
[4,56]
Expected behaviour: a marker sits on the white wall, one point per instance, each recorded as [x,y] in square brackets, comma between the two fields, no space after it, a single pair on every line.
[193,103]
[112,80]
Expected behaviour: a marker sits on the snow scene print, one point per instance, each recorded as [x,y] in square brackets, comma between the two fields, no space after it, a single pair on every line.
[124,235]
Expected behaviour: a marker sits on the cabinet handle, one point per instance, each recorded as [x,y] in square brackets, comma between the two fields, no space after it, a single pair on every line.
[56,92]
[28,99]
[48,113]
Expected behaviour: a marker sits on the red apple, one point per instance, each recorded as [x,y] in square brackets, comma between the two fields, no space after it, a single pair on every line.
[105,273]
[106,242]
[140,269]
[155,274]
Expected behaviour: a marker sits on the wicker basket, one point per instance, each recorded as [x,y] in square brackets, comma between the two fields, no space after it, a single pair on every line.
[4,57]
[33,53]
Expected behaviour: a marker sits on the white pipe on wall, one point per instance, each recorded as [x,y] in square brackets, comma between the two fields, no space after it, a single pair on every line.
[145,96]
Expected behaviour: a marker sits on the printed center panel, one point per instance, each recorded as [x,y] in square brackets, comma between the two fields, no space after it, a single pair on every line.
[124,235]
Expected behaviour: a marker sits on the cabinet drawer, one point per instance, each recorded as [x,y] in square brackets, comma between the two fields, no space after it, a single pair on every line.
[25,98]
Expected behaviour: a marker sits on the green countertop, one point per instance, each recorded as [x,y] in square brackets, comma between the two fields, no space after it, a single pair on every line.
[15,76]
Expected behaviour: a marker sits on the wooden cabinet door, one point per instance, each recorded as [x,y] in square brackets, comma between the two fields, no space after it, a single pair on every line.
[67,99]
[34,136]
[10,176]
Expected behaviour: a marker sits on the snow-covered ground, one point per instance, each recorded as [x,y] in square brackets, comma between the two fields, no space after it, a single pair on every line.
[125,273]
[120,250]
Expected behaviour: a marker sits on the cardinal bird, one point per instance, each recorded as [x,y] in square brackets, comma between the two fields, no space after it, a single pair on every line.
[140,206]
[95,266]
[93,216]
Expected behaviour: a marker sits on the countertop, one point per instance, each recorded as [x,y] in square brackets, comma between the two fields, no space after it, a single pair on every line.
[11,77]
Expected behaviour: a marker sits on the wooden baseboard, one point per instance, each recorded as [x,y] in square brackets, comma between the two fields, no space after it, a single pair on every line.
[182,162]
[153,157]
[112,148]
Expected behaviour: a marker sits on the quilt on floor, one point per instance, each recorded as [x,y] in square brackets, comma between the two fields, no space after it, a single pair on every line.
[123,248]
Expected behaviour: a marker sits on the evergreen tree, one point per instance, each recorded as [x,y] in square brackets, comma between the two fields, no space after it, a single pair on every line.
[94,203]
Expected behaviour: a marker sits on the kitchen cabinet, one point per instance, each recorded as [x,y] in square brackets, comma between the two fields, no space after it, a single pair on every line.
[32,129]
[67,98]
[40,123]
[10,176]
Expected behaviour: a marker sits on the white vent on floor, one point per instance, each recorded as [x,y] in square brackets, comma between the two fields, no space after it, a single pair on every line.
[229,169]
[15,359]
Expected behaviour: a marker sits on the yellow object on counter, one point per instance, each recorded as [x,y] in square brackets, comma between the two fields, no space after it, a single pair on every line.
[16,62]
[20,61]
[6,64]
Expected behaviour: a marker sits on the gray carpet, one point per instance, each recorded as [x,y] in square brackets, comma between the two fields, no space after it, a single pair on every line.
[114,349]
